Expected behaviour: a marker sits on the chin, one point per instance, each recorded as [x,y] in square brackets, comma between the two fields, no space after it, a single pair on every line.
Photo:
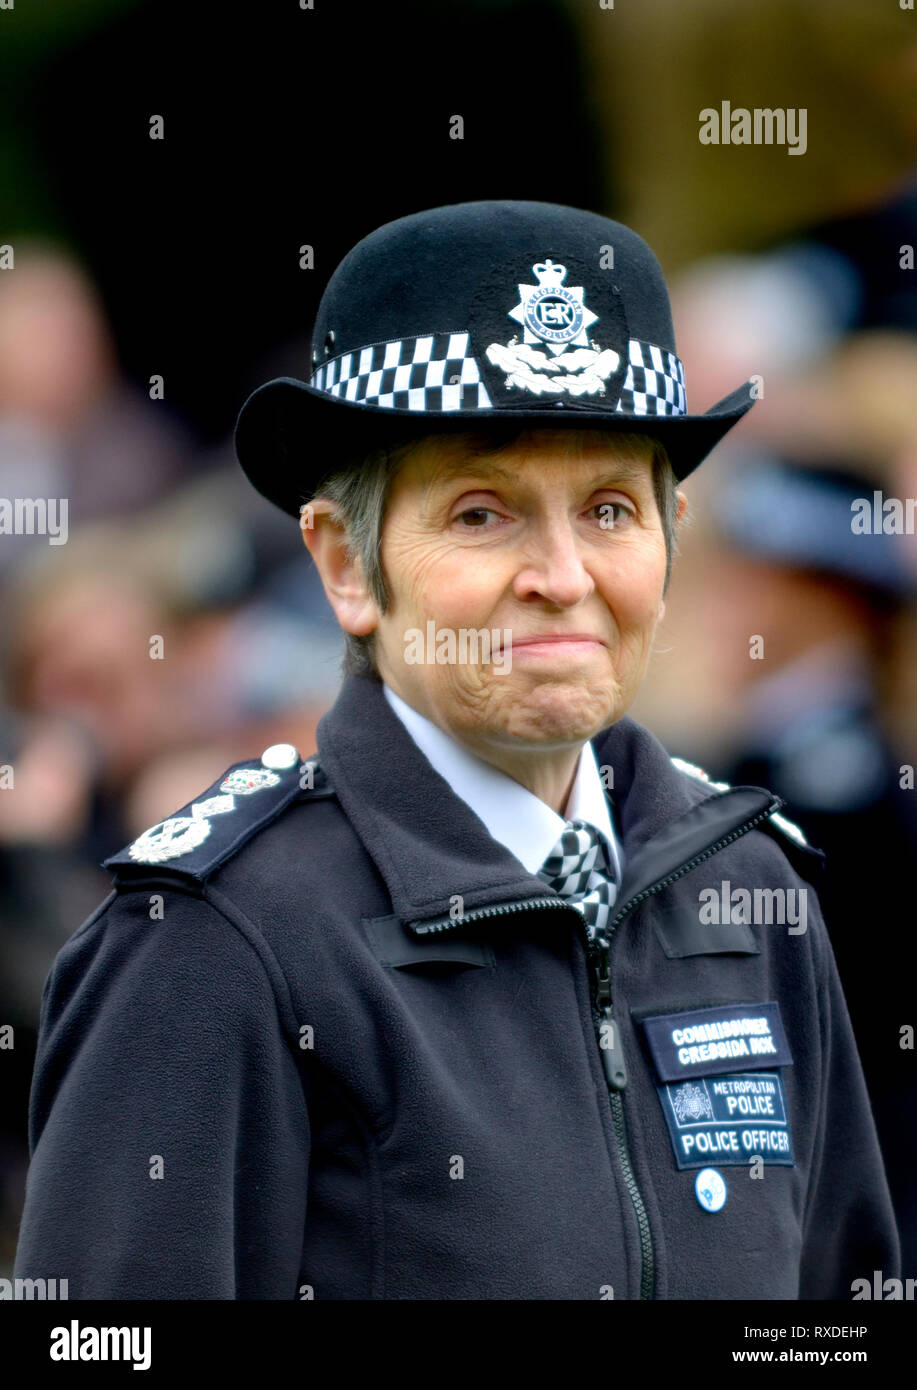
[544,708]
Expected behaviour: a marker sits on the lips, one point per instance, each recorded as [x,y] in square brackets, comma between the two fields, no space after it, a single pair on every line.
[557,637]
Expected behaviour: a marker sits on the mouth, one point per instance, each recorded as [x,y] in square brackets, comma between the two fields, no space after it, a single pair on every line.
[549,643]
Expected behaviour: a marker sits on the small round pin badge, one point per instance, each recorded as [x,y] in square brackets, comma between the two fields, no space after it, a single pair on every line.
[710,1189]
[280,756]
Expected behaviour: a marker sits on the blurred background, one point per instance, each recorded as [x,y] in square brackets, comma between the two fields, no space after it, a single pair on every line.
[146,286]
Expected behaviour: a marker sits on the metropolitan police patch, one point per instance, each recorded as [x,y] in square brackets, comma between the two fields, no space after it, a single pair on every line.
[717,1109]
[728,1119]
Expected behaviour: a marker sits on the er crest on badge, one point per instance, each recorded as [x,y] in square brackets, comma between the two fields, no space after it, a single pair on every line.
[553,315]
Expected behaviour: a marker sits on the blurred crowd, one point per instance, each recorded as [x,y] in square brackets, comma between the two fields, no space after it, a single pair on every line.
[175,625]
[182,627]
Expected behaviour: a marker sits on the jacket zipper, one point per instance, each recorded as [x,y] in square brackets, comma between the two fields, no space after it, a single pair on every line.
[598,954]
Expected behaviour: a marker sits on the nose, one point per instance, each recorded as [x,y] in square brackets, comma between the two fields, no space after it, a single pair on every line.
[551,565]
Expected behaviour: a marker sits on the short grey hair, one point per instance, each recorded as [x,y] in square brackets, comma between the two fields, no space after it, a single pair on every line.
[360,493]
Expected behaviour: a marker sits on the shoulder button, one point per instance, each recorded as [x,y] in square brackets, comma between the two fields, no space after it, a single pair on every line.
[280,756]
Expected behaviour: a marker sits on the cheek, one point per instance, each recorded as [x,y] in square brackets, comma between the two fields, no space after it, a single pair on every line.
[633,594]
[452,586]
[411,566]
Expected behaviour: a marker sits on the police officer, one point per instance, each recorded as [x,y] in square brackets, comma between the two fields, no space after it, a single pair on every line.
[486,997]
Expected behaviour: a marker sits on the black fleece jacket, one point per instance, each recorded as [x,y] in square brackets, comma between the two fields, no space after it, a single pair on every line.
[349,1048]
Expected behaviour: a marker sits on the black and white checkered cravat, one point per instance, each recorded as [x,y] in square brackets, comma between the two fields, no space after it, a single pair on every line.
[578,869]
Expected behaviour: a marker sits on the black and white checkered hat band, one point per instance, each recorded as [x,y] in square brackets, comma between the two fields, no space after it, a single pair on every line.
[436,372]
[654,383]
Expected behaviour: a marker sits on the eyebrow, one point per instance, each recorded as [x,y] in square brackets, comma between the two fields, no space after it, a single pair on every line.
[624,471]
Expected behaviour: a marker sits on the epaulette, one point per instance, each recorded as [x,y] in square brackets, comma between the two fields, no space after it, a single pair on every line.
[207,831]
[789,829]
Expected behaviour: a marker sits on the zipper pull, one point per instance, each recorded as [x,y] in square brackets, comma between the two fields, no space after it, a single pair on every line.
[609,1038]
[612,1052]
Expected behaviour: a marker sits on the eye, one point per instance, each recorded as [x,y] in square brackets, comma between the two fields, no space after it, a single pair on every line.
[476,511]
[612,515]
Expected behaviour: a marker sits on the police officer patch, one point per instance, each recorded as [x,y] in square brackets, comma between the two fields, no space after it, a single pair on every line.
[728,1119]
[718,1107]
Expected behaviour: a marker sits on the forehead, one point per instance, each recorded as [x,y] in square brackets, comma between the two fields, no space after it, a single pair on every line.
[437,460]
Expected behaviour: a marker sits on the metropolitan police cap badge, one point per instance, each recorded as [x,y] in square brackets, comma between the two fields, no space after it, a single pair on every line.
[553,312]
[555,316]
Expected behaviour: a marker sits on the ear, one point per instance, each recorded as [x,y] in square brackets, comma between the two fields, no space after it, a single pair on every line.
[682,506]
[341,573]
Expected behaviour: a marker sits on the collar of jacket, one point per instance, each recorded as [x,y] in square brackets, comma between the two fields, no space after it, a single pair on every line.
[435,854]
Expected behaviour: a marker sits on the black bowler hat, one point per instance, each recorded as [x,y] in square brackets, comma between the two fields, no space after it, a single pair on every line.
[475,313]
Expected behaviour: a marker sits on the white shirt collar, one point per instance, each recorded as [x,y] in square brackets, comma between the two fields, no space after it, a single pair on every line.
[526,825]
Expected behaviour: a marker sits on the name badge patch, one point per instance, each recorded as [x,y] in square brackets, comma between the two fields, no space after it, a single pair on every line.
[728,1120]
[730,1037]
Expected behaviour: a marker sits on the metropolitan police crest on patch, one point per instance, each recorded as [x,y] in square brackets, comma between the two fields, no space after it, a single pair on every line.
[691,1102]
[555,316]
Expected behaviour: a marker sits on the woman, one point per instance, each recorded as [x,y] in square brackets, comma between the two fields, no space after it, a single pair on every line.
[488,998]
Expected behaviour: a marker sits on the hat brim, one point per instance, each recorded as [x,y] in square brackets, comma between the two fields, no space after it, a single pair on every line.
[290,435]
